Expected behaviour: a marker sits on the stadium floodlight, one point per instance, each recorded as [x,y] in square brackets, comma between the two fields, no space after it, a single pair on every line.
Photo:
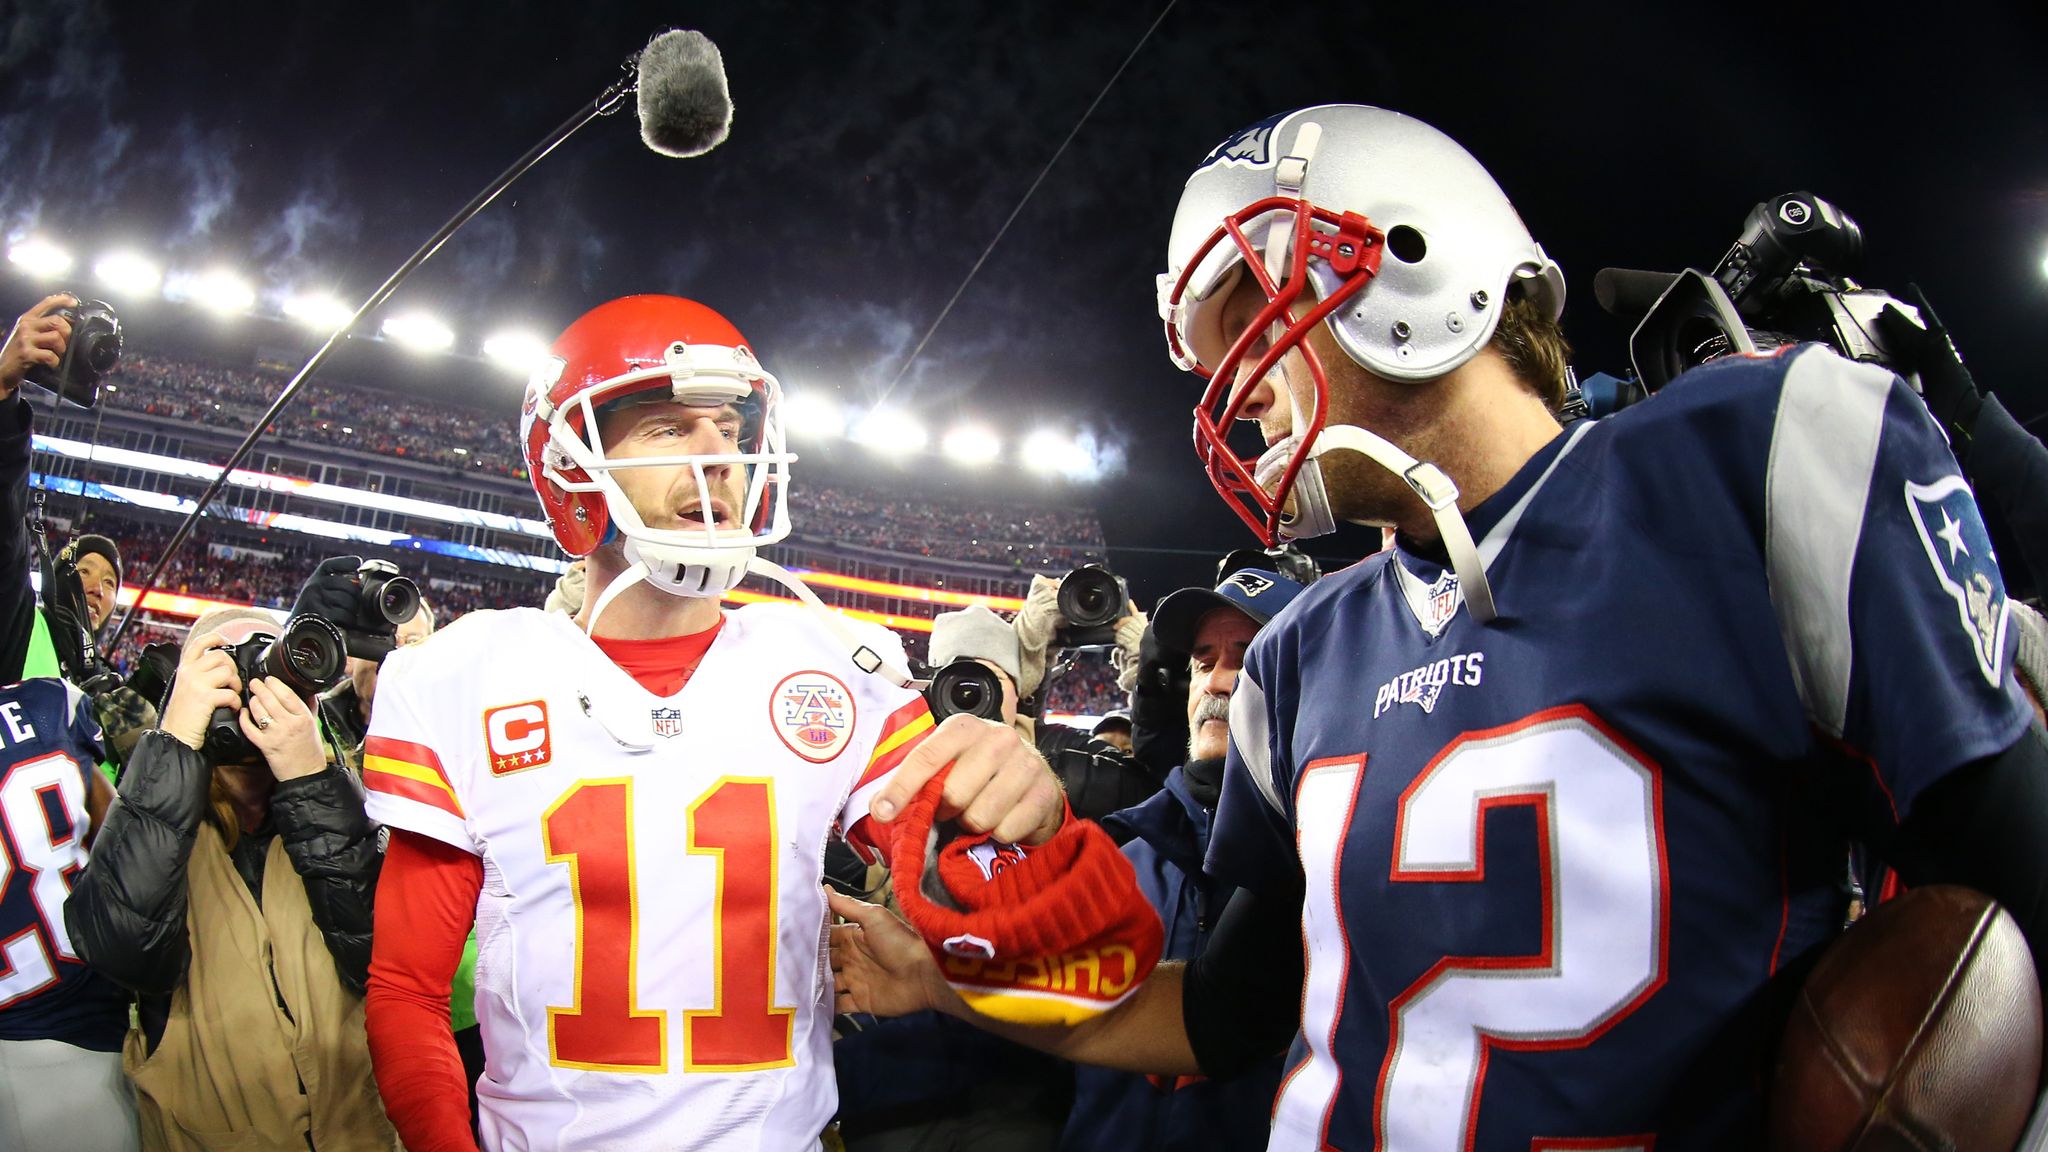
[317,311]
[809,416]
[516,351]
[219,291]
[1058,454]
[971,444]
[38,257]
[419,330]
[890,432]
[128,274]
[2044,264]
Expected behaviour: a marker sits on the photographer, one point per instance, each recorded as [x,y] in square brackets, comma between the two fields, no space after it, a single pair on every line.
[38,339]
[232,890]
[1098,779]
[82,582]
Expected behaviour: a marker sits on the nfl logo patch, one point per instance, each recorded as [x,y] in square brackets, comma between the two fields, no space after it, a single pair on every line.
[813,714]
[668,721]
[1443,602]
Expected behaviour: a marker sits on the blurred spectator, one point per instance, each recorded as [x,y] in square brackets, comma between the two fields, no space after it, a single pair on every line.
[1114,729]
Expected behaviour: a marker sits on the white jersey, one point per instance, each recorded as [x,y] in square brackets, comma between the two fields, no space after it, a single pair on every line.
[650,964]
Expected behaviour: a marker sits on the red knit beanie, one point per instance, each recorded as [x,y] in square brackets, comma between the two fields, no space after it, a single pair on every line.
[1051,934]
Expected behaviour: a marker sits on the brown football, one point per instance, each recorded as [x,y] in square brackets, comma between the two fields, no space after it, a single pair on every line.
[1919,1029]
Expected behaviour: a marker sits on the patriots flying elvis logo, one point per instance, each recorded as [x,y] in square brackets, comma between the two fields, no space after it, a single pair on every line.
[1959,548]
[1250,147]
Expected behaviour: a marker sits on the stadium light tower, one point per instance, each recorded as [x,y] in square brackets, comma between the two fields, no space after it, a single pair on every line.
[219,291]
[128,274]
[515,351]
[809,416]
[971,444]
[1053,453]
[38,257]
[890,432]
[315,310]
[419,331]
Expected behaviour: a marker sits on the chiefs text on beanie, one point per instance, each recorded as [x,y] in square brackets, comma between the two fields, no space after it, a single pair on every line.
[1050,934]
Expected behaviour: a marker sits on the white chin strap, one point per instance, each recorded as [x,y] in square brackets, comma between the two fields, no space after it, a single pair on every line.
[1310,513]
[863,655]
[678,571]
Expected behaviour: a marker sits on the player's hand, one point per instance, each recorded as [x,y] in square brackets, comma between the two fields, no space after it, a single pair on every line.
[38,338]
[999,784]
[206,680]
[880,966]
[282,727]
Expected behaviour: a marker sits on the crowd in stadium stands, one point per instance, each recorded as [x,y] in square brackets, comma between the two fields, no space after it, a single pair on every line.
[325,413]
[1043,538]
[1088,689]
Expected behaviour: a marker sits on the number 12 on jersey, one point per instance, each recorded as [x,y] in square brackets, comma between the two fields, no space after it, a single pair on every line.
[590,829]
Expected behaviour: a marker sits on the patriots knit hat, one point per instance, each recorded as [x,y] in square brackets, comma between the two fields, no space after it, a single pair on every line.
[1052,934]
[976,634]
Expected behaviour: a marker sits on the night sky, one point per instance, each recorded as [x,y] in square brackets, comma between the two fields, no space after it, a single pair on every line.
[877,147]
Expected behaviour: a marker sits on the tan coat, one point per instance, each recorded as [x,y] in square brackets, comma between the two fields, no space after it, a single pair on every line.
[235,1069]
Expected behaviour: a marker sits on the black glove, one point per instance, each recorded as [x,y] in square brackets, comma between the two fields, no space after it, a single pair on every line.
[1945,385]
[334,592]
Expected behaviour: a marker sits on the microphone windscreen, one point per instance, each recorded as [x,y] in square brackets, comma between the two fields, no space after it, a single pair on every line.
[685,109]
[1628,292]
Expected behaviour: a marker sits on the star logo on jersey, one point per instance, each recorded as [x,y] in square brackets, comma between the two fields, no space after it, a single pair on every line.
[667,721]
[516,736]
[813,714]
[1952,531]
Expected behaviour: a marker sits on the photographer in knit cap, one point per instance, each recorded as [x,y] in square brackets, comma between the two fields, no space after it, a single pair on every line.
[1098,778]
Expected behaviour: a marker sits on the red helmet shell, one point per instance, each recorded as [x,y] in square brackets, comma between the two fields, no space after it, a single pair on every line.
[626,335]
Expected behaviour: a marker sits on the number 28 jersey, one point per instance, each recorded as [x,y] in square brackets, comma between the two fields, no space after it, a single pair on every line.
[1554,861]
[650,970]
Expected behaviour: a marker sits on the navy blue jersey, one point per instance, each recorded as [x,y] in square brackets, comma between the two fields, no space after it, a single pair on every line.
[49,744]
[1552,861]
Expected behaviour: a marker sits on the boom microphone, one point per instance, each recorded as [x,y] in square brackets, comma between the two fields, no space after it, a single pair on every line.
[1628,292]
[684,111]
[685,108]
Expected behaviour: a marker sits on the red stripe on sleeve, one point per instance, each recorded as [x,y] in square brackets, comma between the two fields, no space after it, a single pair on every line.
[426,903]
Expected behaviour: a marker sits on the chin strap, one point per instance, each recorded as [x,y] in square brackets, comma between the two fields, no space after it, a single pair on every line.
[634,574]
[863,655]
[1312,509]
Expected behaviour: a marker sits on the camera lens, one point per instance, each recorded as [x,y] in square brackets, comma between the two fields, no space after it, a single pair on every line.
[393,599]
[965,686]
[1090,597]
[967,696]
[310,657]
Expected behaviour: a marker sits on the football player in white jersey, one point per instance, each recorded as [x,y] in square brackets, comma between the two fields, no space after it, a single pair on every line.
[632,806]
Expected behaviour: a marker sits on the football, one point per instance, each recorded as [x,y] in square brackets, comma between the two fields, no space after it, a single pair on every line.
[1919,1028]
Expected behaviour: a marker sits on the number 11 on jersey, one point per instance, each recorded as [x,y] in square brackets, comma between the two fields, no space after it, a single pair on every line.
[590,829]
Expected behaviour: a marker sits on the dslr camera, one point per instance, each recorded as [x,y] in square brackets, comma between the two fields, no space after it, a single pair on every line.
[965,685]
[1091,599]
[308,654]
[1784,280]
[92,351]
[366,604]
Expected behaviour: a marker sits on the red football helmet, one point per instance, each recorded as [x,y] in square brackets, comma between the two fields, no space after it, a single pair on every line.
[640,344]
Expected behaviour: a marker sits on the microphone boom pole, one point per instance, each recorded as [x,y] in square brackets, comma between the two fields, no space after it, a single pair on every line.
[606,103]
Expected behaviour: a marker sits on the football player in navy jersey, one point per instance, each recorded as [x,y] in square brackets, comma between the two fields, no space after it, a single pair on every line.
[1554,792]
[61,1023]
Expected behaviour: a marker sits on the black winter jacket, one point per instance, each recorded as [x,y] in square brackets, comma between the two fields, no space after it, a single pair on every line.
[127,912]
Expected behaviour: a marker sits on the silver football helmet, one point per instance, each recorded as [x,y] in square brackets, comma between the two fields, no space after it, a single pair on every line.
[1374,223]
